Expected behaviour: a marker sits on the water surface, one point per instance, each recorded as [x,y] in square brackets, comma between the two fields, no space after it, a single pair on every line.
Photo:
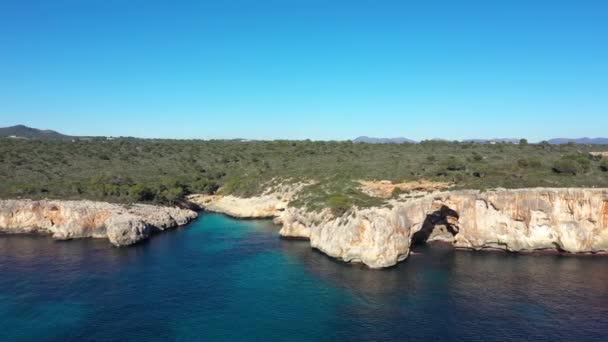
[225,279]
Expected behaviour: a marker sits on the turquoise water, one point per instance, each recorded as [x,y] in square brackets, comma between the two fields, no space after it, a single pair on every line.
[225,279]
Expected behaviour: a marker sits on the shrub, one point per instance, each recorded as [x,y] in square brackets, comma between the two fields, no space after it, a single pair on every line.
[566,166]
[583,161]
[604,164]
[479,174]
[21,190]
[339,204]
[528,163]
[522,163]
[141,193]
[204,185]
[573,164]
[396,191]
[454,164]
[171,196]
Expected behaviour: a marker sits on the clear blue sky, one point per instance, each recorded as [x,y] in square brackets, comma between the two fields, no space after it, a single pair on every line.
[306,68]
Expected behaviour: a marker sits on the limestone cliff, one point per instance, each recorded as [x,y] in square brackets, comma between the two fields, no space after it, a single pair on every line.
[569,220]
[121,225]
[268,205]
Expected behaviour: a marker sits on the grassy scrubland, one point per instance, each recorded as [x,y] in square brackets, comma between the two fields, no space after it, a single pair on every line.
[164,171]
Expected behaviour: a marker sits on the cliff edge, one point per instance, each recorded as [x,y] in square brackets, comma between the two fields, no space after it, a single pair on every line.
[573,220]
[121,225]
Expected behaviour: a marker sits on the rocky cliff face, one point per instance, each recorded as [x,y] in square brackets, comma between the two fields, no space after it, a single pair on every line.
[569,220]
[268,205]
[121,225]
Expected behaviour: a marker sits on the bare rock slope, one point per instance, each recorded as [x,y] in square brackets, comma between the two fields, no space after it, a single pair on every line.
[268,205]
[121,225]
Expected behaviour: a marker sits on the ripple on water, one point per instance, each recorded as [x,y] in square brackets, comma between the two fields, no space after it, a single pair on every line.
[26,321]
[225,279]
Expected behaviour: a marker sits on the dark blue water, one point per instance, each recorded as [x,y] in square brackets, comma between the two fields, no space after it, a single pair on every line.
[224,279]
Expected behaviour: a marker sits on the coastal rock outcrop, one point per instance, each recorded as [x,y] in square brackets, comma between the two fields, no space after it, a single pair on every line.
[567,220]
[376,237]
[121,225]
[573,220]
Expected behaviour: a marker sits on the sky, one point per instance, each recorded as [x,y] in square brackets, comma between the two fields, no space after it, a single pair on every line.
[306,69]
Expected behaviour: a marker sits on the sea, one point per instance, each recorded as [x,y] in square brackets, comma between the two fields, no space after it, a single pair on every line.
[223,279]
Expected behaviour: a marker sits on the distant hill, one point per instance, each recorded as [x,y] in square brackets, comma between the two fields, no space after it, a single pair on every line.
[556,141]
[590,141]
[21,131]
[498,140]
[25,132]
[372,140]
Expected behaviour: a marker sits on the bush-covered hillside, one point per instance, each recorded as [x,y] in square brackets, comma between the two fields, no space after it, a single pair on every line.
[164,171]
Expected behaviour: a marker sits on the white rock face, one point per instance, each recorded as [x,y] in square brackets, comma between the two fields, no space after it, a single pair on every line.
[121,225]
[377,237]
[268,205]
[570,220]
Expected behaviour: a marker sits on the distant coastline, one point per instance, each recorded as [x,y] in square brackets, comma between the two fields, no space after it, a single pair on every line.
[25,132]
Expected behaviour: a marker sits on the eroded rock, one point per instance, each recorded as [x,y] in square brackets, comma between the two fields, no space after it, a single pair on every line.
[569,220]
[121,225]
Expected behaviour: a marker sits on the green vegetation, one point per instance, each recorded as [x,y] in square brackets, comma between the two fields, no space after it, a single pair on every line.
[566,166]
[164,171]
[396,192]
[604,164]
[339,204]
[573,164]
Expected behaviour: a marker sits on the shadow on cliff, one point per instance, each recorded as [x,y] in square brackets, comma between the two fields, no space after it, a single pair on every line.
[440,225]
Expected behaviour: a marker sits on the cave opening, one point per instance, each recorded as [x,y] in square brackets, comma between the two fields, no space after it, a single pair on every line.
[439,225]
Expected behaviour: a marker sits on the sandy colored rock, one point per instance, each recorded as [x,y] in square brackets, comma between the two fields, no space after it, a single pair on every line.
[121,225]
[385,188]
[268,205]
[568,220]
[376,237]
[603,153]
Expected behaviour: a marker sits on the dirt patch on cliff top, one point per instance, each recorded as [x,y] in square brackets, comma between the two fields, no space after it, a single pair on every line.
[385,188]
[603,154]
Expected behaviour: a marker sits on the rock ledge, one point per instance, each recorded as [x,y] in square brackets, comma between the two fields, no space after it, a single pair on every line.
[121,225]
[572,220]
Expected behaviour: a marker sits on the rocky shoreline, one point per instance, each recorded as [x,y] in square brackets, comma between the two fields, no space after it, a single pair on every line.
[572,220]
[122,225]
